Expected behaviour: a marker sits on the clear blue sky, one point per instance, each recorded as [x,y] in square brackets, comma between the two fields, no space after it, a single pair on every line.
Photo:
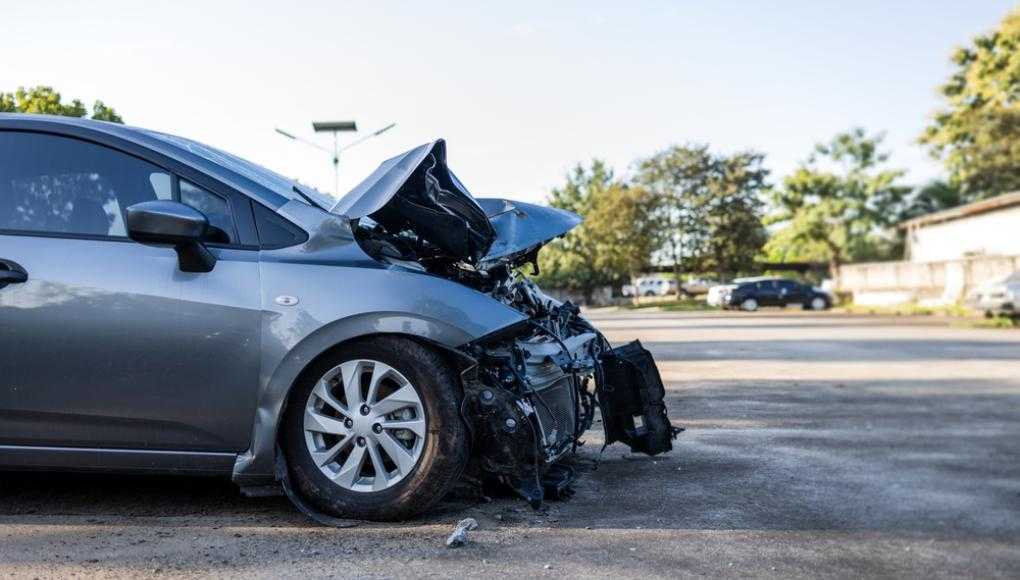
[521,90]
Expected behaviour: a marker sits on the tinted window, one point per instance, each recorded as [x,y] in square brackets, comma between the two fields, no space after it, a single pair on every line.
[274,231]
[215,208]
[788,285]
[61,185]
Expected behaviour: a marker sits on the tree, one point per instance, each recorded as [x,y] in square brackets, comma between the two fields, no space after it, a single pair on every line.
[679,177]
[47,101]
[977,133]
[838,203]
[733,214]
[930,198]
[708,206]
[614,241]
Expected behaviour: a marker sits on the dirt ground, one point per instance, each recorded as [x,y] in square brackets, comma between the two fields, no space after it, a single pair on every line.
[816,446]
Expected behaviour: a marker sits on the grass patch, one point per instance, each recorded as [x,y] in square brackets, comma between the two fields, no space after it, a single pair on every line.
[951,310]
[994,322]
[674,306]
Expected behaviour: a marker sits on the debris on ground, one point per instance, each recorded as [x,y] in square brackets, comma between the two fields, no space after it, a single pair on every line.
[459,537]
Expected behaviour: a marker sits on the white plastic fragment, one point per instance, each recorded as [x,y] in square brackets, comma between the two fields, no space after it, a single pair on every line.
[459,537]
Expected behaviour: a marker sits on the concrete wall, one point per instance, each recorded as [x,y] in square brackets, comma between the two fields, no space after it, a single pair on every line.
[996,233]
[929,283]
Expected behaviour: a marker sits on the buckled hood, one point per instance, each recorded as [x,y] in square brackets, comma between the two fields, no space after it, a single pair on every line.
[416,191]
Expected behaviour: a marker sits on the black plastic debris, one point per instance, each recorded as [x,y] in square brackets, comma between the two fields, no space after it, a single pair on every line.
[631,394]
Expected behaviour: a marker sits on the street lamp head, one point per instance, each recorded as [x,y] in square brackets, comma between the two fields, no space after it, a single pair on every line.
[334,126]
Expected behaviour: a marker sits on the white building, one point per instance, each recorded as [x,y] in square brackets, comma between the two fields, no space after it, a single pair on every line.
[949,253]
[983,228]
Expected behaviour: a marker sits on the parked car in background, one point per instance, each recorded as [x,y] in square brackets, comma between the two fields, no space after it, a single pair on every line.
[1000,296]
[750,296]
[650,286]
[716,294]
[696,286]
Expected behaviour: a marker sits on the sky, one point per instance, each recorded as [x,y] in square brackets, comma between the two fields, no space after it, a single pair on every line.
[521,91]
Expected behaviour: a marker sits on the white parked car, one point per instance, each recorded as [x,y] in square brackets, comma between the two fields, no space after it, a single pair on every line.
[650,287]
[999,296]
[696,286]
[717,293]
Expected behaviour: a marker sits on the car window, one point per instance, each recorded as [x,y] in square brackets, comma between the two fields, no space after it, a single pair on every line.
[60,185]
[216,210]
[789,285]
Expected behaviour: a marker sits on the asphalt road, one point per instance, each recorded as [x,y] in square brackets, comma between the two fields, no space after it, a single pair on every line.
[816,446]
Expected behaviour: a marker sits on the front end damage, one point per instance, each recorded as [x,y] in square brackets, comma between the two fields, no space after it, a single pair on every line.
[535,388]
[531,389]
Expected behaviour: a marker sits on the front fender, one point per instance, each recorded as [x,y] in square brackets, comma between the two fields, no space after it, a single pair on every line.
[337,303]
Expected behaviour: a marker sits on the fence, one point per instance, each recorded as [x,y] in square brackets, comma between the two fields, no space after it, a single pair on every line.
[944,282]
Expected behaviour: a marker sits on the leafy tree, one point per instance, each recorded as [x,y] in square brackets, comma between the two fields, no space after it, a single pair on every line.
[977,134]
[838,203]
[708,207]
[615,239]
[679,179]
[733,214]
[931,197]
[45,100]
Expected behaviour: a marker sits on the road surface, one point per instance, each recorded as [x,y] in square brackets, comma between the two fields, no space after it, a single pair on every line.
[816,446]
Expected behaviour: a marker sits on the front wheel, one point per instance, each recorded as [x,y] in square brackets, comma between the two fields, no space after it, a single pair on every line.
[374,432]
[749,305]
[819,303]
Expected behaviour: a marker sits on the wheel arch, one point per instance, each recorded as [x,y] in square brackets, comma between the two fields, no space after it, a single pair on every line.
[255,466]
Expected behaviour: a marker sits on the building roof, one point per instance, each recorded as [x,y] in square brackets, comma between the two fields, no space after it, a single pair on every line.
[971,209]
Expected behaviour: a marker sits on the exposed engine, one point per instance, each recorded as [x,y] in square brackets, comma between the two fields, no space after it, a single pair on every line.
[532,395]
[535,389]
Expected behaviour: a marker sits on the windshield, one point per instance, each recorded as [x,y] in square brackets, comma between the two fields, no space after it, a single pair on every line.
[265,177]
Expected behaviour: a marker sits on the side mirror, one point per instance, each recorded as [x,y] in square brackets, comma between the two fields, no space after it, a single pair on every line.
[174,224]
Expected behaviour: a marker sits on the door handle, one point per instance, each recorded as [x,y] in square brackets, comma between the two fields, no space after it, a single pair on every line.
[12,273]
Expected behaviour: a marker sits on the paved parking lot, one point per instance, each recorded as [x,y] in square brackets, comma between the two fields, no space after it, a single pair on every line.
[817,446]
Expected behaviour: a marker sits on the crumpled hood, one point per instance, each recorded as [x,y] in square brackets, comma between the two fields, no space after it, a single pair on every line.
[416,191]
[522,228]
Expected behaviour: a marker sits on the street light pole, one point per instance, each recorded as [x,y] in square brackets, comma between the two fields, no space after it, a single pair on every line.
[335,127]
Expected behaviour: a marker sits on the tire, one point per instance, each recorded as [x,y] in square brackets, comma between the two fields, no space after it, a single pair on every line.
[649,293]
[819,303]
[405,490]
[749,305]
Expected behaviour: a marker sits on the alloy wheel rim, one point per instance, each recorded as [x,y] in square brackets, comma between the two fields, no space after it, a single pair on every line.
[818,304]
[365,425]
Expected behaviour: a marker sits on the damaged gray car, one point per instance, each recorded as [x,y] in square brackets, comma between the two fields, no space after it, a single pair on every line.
[166,307]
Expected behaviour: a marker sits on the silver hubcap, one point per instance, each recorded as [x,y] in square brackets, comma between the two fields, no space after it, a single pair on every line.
[750,304]
[365,425]
[818,304]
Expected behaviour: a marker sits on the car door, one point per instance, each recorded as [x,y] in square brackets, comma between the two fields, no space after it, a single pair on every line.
[768,293]
[106,343]
[791,292]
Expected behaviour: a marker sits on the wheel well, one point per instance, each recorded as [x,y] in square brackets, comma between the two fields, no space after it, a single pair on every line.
[453,357]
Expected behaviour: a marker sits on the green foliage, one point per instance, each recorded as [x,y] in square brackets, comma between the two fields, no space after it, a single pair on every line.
[708,207]
[977,134]
[45,100]
[930,198]
[614,241]
[838,204]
